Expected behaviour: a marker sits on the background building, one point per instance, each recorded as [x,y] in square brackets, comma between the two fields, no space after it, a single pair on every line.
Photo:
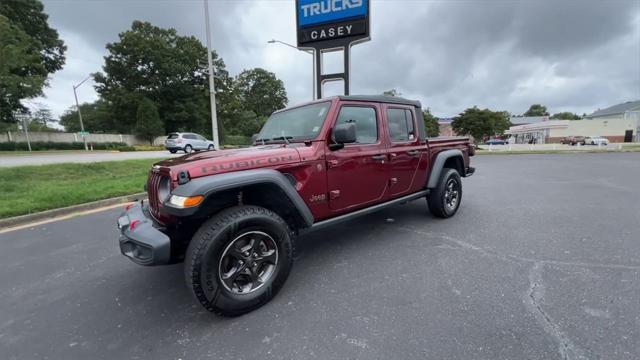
[445,127]
[618,123]
[524,120]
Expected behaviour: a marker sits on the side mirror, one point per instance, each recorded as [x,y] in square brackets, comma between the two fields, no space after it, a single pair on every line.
[344,133]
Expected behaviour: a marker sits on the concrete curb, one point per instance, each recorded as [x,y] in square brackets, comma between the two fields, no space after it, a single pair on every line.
[54,213]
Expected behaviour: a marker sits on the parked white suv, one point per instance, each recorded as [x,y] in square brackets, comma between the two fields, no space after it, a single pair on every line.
[187,142]
[596,140]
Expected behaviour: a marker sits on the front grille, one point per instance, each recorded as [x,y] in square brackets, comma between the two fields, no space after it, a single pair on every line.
[152,190]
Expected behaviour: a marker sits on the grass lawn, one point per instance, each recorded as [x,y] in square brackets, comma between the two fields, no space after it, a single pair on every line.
[28,189]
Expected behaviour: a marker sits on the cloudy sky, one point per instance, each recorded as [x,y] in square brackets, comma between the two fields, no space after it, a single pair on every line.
[502,54]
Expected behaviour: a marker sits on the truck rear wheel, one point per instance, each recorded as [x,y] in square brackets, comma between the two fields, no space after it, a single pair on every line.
[445,199]
[239,259]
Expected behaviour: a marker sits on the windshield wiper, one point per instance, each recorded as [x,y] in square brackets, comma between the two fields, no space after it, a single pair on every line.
[285,138]
[261,140]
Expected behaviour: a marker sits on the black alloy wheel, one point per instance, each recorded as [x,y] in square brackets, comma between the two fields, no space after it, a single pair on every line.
[248,262]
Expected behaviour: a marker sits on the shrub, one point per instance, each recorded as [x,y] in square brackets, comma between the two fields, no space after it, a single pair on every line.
[237,140]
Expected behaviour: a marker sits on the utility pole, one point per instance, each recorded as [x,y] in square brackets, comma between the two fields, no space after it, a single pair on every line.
[212,88]
[313,72]
[84,138]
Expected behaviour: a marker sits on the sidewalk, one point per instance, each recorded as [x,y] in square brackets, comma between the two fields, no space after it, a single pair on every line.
[555,148]
[44,157]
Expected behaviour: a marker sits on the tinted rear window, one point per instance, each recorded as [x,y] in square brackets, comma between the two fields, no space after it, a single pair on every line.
[173,136]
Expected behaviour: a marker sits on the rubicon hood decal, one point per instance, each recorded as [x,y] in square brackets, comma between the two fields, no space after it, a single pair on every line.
[247,164]
[217,162]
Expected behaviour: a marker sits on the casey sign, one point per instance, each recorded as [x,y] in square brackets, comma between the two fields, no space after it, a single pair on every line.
[327,20]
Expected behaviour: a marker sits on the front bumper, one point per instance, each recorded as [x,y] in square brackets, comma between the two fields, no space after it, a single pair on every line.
[140,240]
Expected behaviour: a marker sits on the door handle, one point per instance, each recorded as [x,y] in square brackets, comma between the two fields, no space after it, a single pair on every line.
[413,152]
[381,157]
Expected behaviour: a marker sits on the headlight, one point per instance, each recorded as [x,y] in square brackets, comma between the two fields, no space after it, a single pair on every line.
[164,189]
[185,202]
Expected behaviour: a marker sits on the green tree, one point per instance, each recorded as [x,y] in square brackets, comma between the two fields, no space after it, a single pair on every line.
[481,123]
[430,123]
[42,115]
[244,123]
[16,50]
[260,91]
[95,118]
[148,124]
[41,119]
[168,69]
[391,92]
[30,51]
[566,116]
[536,110]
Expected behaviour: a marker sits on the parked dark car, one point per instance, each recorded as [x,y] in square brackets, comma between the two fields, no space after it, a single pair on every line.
[578,140]
[573,140]
[566,140]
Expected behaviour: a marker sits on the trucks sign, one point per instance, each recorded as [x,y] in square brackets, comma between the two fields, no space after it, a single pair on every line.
[323,21]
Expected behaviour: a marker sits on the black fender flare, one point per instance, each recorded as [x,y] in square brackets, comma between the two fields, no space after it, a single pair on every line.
[210,185]
[438,165]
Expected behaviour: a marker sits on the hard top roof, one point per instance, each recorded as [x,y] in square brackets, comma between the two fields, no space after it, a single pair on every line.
[381,98]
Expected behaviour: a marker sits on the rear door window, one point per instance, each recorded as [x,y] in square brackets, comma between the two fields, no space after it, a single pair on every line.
[401,125]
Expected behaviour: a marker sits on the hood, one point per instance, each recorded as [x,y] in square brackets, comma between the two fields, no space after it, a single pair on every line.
[224,161]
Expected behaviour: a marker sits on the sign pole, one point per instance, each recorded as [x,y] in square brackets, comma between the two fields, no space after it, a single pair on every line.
[314,70]
[339,28]
[212,88]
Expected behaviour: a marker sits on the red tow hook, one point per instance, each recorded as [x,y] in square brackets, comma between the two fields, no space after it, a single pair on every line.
[133,224]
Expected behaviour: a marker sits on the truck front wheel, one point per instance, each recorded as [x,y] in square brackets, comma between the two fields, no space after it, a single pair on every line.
[239,259]
[445,199]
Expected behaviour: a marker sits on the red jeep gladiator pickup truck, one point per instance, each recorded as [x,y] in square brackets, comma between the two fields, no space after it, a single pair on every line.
[232,216]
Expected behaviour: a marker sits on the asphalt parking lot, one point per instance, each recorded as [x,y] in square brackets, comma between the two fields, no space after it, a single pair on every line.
[541,262]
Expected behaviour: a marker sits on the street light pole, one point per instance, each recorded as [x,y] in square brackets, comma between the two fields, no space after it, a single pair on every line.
[313,73]
[212,89]
[25,128]
[75,95]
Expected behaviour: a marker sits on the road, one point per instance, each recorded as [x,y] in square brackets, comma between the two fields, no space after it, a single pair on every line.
[43,158]
[541,262]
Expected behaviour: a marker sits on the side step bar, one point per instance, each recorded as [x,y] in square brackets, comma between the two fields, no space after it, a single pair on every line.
[365,211]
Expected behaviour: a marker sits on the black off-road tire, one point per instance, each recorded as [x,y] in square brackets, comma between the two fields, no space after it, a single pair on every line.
[438,200]
[204,255]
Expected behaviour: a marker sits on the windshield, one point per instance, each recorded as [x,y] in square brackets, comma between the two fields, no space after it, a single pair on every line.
[301,123]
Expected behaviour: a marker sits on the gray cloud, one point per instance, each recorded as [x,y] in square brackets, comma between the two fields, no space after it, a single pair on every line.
[570,55]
